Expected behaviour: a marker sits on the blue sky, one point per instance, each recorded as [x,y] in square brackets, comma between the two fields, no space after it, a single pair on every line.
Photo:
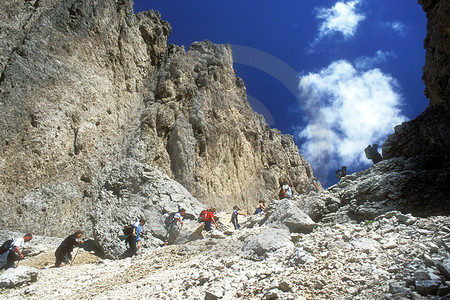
[337,75]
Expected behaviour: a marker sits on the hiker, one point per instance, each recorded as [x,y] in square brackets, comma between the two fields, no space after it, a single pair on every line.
[289,192]
[372,153]
[314,182]
[14,253]
[260,207]
[282,193]
[234,217]
[341,172]
[174,228]
[137,231]
[286,191]
[63,253]
[133,238]
[210,218]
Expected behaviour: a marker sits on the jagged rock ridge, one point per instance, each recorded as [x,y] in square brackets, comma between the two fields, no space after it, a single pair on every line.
[87,84]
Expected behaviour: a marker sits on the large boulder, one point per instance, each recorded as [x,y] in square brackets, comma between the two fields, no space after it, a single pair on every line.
[268,240]
[14,277]
[317,205]
[288,215]
[134,190]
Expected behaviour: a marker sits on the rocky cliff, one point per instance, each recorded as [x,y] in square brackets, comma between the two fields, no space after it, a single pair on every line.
[83,138]
[415,174]
[86,85]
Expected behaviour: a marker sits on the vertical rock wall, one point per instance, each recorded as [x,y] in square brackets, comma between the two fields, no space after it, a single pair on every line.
[87,84]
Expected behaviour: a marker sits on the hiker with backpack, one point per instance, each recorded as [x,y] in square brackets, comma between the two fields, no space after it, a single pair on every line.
[210,218]
[132,237]
[341,172]
[234,217]
[174,224]
[14,252]
[260,207]
[282,193]
[137,232]
[63,253]
[285,191]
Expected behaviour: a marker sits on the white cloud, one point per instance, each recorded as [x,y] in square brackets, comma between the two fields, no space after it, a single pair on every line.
[341,18]
[396,26]
[348,109]
[368,62]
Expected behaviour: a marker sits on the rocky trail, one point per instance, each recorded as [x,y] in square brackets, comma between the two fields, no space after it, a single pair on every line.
[395,256]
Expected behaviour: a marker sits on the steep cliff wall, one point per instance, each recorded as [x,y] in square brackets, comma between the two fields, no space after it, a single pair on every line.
[436,72]
[430,132]
[87,84]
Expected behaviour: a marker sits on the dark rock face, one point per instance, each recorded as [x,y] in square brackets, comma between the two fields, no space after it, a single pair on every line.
[87,84]
[418,185]
[436,72]
[415,176]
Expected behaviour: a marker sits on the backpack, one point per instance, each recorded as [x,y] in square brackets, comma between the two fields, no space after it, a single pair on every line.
[127,229]
[288,192]
[203,216]
[5,246]
[169,220]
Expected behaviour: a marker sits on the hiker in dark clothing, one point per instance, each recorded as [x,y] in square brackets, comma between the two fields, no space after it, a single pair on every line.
[63,253]
[14,253]
[341,172]
[234,217]
[372,153]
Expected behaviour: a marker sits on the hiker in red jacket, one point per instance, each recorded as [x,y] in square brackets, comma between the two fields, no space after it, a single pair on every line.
[210,218]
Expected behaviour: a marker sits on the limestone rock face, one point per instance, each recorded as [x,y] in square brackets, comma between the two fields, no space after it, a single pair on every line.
[407,185]
[70,72]
[134,190]
[423,144]
[200,129]
[436,72]
[87,84]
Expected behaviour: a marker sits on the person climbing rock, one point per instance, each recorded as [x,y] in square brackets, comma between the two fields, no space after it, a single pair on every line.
[260,207]
[315,183]
[234,217]
[137,232]
[174,228]
[210,218]
[63,253]
[14,253]
[133,238]
[341,172]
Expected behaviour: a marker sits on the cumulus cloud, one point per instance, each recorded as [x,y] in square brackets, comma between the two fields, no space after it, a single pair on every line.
[368,62]
[348,109]
[396,26]
[341,18]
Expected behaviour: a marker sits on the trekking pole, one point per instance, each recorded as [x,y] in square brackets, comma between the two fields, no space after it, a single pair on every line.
[76,253]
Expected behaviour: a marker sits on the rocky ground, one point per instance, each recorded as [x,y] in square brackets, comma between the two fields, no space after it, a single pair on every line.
[395,256]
